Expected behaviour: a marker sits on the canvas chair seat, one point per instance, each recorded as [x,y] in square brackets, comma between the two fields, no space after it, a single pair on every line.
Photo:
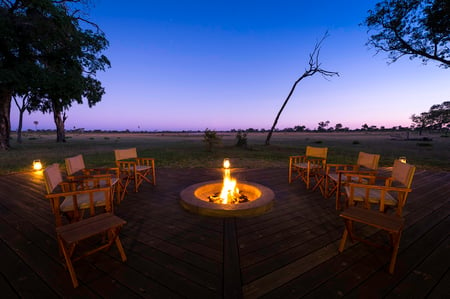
[72,198]
[141,168]
[335,177]
[305,165]
[372,195]
[83,201]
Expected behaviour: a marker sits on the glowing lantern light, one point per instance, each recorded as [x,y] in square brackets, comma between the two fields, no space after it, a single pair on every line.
[402,159]
[37,165]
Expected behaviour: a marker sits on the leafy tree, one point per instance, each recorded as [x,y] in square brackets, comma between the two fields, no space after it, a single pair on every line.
[323,125]
[314,68]
[44,50]
[440,115]
[421,121]
[414,28]
[338,127]
[365,127]
[299,128]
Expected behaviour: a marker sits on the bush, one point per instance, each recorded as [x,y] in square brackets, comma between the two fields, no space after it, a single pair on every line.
[210,138]
[241,138]
[424,144]
[355,142]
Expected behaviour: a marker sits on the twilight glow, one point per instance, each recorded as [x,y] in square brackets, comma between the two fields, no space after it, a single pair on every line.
[192,65]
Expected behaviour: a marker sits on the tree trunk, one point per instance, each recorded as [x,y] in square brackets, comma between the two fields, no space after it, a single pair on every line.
[19,127]
[59,122]
[5,121]
[281,110]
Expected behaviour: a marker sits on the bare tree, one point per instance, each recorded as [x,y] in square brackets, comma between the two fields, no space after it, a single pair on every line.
[314,68]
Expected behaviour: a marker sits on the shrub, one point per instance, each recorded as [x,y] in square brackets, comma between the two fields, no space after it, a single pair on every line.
[424,144]
[241,138]
[210,138]
[355,142]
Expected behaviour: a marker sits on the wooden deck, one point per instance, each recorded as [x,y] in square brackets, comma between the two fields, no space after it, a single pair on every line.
[290,252]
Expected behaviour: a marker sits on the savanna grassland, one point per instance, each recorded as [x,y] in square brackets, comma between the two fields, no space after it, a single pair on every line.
[182,150]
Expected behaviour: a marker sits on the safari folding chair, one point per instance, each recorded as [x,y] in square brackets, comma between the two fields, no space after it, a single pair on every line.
[76,168]
[77,197]
[366,164]
[309,166]
[379,197]
[134,168]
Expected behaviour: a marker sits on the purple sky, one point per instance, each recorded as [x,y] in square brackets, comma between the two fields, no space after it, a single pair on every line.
[192,65]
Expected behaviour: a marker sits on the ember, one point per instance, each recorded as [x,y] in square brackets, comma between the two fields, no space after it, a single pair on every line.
[230,199]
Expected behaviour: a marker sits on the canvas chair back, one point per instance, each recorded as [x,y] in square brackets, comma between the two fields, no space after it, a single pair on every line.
[123,154]
[74,164]
[52,177]
[403,173]
[369,161]
[316,152]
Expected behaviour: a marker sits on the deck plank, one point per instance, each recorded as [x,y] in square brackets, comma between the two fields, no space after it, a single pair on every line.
[289,252]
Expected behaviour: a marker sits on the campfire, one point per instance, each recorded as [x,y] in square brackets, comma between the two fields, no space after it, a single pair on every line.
[230,192]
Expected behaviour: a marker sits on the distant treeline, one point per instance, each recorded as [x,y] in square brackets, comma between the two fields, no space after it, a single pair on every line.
[249,130]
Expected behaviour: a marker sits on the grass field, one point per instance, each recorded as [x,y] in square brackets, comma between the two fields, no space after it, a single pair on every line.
[180,150]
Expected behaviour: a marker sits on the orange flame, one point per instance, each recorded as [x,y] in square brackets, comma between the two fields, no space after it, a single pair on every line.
[229,189]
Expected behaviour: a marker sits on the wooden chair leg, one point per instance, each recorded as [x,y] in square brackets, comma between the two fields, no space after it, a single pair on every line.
[120,248]
[395,246]
[320,183]
[153,173]
[348,231]
[343,240]
[67,253]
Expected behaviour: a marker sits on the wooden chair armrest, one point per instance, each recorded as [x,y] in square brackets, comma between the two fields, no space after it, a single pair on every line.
[76,192]
[341,167]
[80,178]
[348,175]
[102,171]
[87,182]
[378,187]
[316,161]
[145,161]
[297,159]
[126,166]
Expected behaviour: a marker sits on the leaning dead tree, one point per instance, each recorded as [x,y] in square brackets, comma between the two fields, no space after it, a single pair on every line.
[314,68]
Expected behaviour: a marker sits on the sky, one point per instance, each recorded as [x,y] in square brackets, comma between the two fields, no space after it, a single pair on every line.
[222,65]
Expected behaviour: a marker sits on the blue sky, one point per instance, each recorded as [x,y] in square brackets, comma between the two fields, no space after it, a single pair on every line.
[192,65]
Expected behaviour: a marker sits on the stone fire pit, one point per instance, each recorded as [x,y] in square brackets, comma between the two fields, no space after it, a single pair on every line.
[195,199]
